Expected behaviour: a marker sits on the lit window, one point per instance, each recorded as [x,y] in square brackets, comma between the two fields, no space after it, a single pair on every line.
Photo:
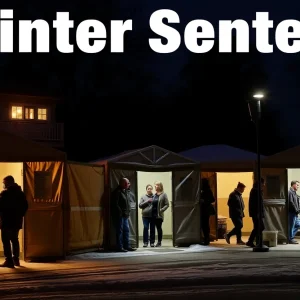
[42,113]
[29,113]
[17,112]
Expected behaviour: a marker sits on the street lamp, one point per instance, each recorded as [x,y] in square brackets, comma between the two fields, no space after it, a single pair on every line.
[260,247]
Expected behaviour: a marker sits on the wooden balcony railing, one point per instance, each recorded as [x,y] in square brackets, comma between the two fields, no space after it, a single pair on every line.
[44,132]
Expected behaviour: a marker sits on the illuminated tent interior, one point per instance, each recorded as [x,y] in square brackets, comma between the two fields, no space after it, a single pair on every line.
[64,202]
[39,171]
[225,166]
[181,179]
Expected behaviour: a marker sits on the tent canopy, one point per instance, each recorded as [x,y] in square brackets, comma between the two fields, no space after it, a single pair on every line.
[222,158]
[150,158]
[17,149]
[289,158]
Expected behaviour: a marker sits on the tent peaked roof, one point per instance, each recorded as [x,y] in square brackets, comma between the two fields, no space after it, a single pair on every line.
[219,153]
[148,156]
[14,148]
[289,158]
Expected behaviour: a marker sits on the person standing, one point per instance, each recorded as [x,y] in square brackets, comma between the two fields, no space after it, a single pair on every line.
[121,211]
[13,207]
[294,209]
[207,209]
[148,220]
[160,204]
[236,213]
[258,223]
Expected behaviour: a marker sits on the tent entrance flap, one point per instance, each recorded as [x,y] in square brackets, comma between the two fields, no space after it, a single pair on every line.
[115,176]
[186,207]
[275,195]
[213,221]
[43,224]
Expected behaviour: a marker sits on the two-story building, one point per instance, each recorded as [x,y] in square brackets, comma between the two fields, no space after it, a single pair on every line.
[32,117]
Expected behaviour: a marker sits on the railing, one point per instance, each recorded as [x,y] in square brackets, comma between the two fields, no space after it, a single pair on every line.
[44,132]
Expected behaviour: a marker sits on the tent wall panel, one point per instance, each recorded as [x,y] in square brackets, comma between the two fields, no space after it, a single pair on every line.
[86,190]
[186,208]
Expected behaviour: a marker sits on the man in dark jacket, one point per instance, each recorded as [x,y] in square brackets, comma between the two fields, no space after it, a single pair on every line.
[120,200]
[294,209]
[258,224]
[13,206]
[236,213]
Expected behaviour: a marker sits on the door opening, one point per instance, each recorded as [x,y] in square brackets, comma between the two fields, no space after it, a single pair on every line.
[226,183]
[143,179]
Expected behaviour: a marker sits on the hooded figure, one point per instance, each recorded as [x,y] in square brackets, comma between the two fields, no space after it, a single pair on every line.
[13,206]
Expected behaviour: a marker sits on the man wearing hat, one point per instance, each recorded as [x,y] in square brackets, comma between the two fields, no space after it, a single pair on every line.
[236,213]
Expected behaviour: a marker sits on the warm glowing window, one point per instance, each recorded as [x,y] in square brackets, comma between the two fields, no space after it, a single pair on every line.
[42,113]
[17,112]
[29,113]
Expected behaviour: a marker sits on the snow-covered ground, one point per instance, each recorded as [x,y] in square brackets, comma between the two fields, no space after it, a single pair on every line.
[144,252]
[91,275]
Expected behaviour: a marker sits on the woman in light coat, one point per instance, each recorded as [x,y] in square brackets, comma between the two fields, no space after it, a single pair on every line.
[160,204]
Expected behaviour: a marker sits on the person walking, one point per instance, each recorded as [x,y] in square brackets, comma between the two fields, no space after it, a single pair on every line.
[258,223]
[236,213]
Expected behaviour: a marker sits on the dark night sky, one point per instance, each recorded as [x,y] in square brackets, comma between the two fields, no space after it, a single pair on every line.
[120,118]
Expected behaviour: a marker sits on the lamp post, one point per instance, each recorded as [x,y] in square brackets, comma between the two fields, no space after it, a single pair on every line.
[260,247]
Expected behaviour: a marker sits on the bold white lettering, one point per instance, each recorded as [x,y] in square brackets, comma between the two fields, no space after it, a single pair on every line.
[171,34]
[63,25]
[225,36]
[282,36]
[42,36]
[6,31]
[191,36]
[262,25]
[118,28]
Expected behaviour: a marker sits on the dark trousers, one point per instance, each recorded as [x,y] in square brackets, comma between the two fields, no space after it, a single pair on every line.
[205,227]
[149,223]
[10,237]
[122,231]
[158,224]
[237,230]
[255,232]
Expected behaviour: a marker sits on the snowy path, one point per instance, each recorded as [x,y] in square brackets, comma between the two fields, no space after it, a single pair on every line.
[100,278]
[245,292]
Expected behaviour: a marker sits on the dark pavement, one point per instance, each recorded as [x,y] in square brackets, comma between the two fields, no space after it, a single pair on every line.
[228,274]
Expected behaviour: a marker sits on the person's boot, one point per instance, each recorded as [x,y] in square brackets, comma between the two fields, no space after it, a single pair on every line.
[294,242]
[227,238]
[8,263]
[205,243]
[250,244]
[16,261]
[130,249]
[158,244]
